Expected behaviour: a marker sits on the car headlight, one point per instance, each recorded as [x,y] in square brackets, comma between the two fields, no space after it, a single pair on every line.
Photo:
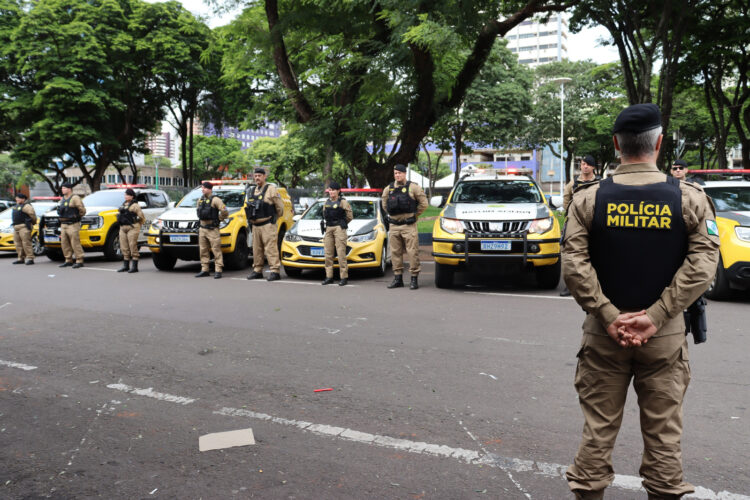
[292,237]
[541,226]
[93,221]
[225,223]
[742,232]
[361,238]
[157,224]
[451,225]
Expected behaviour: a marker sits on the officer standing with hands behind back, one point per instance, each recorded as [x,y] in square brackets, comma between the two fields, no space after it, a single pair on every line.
[70,210]
[639,248]
[131,218]
[24,219]
[404,201]
[211,211]
[337,214]
[263,207]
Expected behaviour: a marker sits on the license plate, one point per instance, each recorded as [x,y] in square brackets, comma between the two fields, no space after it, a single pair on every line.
[495,245]
[317,252]
[51,238]
[180,238]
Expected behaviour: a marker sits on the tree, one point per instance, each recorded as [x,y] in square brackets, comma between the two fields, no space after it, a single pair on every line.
[215,157]
[363,70]
[691,121]
[11,174]
[290,157]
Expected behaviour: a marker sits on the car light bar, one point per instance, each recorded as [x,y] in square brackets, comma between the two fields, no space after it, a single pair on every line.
[721,171]
[125,186]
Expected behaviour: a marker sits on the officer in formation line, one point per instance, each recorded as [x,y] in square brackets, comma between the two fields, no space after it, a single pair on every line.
[70,210]
[404,201]
[24,219]
[264,206]
[131,218]
[337,213]
[211,211]
[639,248]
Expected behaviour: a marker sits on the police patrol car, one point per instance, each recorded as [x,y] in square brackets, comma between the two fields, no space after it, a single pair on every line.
[41,205]
[100,231]
[174,235]
[497,219]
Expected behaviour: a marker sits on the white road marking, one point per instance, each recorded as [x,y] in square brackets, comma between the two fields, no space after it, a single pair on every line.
[509,465]
[488,375]
[99,269]
[20,366]
[287,282]
[514,341]
[526,296]
[150,393]
[6,304]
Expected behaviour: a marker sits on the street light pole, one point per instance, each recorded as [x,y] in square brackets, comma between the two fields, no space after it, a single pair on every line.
[561,82]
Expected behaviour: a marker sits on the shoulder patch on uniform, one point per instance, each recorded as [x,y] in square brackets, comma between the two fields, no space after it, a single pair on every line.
[712,228]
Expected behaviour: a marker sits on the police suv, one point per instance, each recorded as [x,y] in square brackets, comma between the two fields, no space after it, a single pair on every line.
[498,219]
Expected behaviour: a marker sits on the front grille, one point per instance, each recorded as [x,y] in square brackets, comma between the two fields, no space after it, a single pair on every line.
[514,229]
[51,222]
[180,226]
[312,239]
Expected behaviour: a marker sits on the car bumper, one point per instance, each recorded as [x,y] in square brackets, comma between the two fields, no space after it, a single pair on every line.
[91,239]
[465,251]
[309,255]
[185,243]
[6,242]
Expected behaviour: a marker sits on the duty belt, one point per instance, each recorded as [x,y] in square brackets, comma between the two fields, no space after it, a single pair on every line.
[261,223]
[210,226]
[404,222]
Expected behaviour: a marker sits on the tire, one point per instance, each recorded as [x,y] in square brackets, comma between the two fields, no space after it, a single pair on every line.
[719,288]
[282,232]
[163,261]
[548,277]
[293,272]
[238,259]
[112,250]
[380,270]
[37,246]
[54,254]
[444,275]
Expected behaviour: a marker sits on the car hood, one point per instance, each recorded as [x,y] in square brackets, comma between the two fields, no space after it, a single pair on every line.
[89,211]
[186,213]
[743,218]
[311,227]
[496,211]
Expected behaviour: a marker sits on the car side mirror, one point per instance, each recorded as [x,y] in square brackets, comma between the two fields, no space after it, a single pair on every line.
[436,201]
[142,204]
[556,201]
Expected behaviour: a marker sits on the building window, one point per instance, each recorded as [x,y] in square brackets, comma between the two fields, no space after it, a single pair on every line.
[525,158]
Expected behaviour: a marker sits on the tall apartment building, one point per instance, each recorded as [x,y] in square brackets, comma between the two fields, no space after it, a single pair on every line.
[246,137]
[160,144]
[537,43]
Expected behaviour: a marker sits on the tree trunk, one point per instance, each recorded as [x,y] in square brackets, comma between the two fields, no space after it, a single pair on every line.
[458,147]
[190,135]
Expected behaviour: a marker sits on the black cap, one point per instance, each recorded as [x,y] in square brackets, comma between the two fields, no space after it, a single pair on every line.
[400,167]
[259,170]
[590,160]
[130,192]
[21,195]
[638,118]
[207,185]
[681,163]
[334,185]
[66,185]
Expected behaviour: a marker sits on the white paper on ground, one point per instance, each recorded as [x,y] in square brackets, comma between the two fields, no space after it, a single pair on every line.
[229,439]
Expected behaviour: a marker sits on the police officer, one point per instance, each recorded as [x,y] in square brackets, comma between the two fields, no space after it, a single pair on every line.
[263,207]
[211,211]
[24,219]
[404,201]
[337,213]
[639,248]
[70,210]
[131,218]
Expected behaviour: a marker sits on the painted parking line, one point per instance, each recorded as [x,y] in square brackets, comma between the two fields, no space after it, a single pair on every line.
[285,282]
[150,393]
[6,304]
[20,366]
[98,269]
[527,296]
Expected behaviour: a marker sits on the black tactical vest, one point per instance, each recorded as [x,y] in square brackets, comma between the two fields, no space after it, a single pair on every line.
[65,211]
[20,217]
[334,214]
[257,207]
[638,241]
[125,217]
[399,201]
[206,211]
[578,182]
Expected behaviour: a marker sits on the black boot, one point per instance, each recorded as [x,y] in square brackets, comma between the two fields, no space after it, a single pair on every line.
[65,264]
[327,281]
[273,277]
[133,267]
[255,275]
[217,275]
[202,274]
[78,265]
[398,282]
[29,262]
[565,292]
[17,262]
[343,282]
[125,266]
[414,283]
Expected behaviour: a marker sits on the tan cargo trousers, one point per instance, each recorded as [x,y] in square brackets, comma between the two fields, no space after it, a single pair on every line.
[129,241]
[70,241]
[266,246]
[404,239]
[209,241]
[660,372]
[22,240]
[335,240]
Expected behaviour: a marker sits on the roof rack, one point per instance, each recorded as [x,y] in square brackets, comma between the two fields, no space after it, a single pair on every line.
[229,182]
[497,172]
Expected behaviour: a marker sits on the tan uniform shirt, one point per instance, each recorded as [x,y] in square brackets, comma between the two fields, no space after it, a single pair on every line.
[28,210]
[218,205]
[273,197]
[568,191]
[415,192]
[691,279]
[136,209]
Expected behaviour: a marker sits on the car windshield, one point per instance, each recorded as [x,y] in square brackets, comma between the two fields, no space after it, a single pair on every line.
[232,198]
[6,214]
[730,199]
[43,208]
[361,209]
[520,191]
[105,198]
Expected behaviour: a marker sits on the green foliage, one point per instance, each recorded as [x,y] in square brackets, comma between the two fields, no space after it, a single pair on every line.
[291,158]
[215,157]
[11,174]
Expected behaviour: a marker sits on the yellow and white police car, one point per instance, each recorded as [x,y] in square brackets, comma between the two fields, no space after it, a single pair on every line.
[497,219]
[367,245]
[41,205]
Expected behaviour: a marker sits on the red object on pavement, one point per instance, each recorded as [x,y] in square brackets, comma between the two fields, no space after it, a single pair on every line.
[323,390]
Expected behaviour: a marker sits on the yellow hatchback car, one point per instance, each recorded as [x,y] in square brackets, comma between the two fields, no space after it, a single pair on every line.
[6,227]
[367,245]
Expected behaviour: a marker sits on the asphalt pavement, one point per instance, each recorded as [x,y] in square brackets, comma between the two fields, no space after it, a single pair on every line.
[108,380]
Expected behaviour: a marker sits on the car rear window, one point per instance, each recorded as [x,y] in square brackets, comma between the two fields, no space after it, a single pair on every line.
[520,191]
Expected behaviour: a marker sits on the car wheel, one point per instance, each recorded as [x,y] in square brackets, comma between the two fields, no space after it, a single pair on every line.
[54,254]
[163,262]
[112,250]
[282,232]
[380,270]
[37,246]
[548,277]
[444,275]
[238,258]
[293,272]
[719,288]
